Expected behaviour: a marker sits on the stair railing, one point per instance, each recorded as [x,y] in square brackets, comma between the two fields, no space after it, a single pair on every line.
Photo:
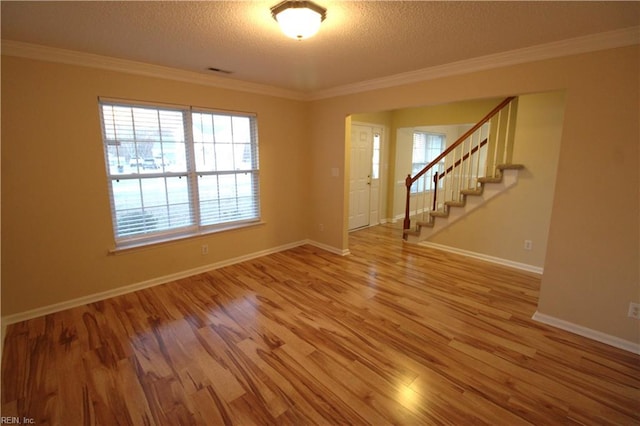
[437,177]
[475,154]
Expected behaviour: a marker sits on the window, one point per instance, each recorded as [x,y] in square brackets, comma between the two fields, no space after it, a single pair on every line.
[375,173]
[178,171]
[426,147]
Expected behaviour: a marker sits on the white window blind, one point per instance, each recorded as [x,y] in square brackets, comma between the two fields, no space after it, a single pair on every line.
[177,171]
[426,147]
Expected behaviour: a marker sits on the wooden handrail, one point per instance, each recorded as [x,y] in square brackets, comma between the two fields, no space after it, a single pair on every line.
[461,139]
[437,177]
[411,180]
[464,157]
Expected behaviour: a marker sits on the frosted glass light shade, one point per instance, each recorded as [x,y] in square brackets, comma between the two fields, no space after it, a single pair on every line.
[298,19]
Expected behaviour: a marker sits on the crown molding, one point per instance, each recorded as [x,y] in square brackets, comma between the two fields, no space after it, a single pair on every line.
[601,41]
[574,46]
[71,57]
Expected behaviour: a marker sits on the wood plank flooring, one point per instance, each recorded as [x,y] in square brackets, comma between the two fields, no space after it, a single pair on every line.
[391,334]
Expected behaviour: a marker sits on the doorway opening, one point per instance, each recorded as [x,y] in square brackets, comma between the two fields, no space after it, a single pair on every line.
[366,170]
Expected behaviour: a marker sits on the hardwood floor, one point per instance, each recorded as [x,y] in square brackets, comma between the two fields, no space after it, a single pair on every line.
[391,334]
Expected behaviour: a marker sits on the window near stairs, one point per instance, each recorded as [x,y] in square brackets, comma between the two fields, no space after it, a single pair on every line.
[178,171]
[426,147]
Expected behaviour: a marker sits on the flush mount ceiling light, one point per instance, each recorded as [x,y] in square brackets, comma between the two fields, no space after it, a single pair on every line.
[299,19]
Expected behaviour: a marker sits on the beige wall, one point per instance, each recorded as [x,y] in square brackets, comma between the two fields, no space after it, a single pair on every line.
[383,118]
[56,225]
[469,111]
[591,268]
[592,262]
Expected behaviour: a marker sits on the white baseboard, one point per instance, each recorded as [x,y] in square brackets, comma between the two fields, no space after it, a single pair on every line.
[330,249]
[56,307]
[588,333]
[485,257]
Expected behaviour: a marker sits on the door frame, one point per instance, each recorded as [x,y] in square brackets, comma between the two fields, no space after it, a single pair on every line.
[380,194]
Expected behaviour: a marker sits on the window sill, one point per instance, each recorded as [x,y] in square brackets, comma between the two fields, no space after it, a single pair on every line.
[148,245]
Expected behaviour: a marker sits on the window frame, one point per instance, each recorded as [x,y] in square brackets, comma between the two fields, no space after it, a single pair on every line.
[247,213]
[422,185]
[376,155]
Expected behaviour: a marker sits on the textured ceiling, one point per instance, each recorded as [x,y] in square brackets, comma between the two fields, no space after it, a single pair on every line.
[358,41]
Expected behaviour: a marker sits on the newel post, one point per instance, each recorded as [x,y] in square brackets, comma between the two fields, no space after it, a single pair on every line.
[435,190]
[407,221]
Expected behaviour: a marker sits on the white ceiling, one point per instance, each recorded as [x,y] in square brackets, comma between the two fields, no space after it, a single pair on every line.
[359,40]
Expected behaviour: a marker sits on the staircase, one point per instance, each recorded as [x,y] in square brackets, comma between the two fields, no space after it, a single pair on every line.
[471,171]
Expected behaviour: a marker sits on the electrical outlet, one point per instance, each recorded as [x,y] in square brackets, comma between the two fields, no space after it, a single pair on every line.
[528,244]
[321,227]
[204,249]
[634,310]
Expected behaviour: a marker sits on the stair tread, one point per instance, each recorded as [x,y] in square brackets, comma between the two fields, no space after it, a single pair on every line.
[490,179]
[510,166]
[425,224]
[455,203]
[472,191]
[439,213]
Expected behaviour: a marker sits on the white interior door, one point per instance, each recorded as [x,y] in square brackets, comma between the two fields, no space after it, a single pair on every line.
[360,180]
